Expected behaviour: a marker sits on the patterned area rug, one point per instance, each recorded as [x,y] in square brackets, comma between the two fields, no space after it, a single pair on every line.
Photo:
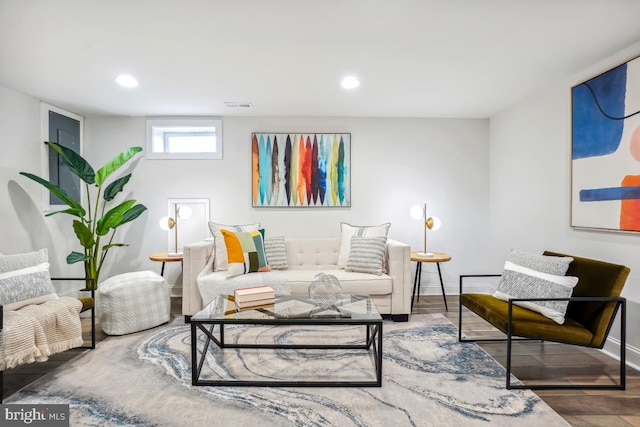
[429,379]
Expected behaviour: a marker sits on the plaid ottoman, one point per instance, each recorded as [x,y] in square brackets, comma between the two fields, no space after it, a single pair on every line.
[132,302]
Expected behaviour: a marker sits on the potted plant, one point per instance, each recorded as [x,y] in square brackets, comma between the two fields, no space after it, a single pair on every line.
[96,222]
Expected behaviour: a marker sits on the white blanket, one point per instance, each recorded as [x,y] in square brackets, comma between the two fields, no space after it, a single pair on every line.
[211,284]
[37,331]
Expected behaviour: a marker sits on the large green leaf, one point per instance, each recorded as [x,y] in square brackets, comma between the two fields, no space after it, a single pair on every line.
[112,218]
[70,211]
[113,245]
[115,187]
[115,163]
[74,257]
[132,214]
[57,191]
[84,234]
[75,162]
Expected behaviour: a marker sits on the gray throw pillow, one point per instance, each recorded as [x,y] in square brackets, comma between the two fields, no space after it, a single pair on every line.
[557,265]
[26,285]
[19,261]
[537,276]
[366,255]
[276,252]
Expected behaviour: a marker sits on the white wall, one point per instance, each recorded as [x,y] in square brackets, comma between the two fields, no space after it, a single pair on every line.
[530,158]
[22,224]
[396,163]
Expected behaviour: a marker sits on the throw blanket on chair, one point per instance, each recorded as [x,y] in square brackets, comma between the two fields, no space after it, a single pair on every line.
[37,331]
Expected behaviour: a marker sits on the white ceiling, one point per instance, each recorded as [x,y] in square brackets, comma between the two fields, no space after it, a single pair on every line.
[414,58]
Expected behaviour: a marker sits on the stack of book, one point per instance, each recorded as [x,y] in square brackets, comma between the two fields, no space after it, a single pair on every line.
[254,297]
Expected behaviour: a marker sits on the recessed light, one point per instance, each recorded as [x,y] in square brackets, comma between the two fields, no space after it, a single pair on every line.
[350,82]
[127,81]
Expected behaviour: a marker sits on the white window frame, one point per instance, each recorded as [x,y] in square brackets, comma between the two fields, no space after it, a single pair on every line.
[44,151]
[186,123]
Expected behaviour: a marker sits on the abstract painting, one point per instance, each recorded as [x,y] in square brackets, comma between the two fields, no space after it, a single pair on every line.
[605,148]
[301,169]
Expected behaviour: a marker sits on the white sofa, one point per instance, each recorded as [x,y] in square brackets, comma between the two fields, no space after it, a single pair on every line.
[391,291]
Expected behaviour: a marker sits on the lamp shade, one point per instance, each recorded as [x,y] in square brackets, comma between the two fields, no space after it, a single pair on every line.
[416,212]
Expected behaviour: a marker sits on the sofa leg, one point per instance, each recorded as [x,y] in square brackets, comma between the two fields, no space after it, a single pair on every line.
[400,317]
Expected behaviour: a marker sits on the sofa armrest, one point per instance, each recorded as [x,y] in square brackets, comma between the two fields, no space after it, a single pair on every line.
[399,266]
[194,260]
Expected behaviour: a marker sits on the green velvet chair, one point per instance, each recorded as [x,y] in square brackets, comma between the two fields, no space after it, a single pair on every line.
[590,314]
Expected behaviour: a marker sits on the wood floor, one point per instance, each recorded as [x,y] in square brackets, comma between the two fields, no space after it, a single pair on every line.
[570,363]
[537,360]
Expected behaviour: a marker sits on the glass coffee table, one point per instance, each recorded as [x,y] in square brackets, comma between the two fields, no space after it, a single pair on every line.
[348,311]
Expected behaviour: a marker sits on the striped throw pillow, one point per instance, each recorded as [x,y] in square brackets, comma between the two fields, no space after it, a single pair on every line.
[348,231]
[366,255]
[276,253]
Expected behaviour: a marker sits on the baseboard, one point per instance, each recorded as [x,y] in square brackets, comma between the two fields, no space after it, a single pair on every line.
[612,349]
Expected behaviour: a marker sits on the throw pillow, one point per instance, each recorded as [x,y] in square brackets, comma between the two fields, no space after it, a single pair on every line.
[546,264]
[276,252]
[348,231]
[245,252]
[366,254]
[219,248]
[522,282]
[23,260]
[31,285]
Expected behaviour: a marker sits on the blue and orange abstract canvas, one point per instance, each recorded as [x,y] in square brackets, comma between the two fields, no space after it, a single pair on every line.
[605,150]
[301,170]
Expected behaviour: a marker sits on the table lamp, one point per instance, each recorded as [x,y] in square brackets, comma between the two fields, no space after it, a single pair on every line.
[432,223]
[167,223]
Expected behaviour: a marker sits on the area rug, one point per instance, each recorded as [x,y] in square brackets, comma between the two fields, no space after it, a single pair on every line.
[429,379]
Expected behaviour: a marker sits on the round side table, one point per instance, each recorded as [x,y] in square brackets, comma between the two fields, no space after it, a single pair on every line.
[165,257]
[437,257]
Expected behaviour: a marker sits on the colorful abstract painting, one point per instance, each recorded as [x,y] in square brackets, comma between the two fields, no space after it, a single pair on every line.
[605,163]
[301,169]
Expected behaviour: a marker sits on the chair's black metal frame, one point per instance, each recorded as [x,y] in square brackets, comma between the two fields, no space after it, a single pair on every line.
[93,326]
[621,303]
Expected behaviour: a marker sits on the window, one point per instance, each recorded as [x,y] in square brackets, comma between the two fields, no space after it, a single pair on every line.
[184,139]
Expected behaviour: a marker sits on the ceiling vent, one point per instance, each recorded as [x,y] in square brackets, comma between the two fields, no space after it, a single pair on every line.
[238,105]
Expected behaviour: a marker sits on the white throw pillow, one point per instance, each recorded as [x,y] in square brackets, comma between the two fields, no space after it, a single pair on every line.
[348,231]
[522,282]
[219,248]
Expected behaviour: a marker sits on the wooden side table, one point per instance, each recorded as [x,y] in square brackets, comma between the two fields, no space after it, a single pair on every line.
[437,257]
[164,257]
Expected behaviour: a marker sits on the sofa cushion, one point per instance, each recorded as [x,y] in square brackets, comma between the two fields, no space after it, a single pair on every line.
[245,252]
[352,283]
[276,252]
[219,248]
[366,255]
[348,231]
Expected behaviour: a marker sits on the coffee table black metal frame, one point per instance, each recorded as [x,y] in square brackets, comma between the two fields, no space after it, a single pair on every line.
[372,343]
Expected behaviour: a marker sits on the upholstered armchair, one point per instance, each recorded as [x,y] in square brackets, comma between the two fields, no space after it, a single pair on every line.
[590,313]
